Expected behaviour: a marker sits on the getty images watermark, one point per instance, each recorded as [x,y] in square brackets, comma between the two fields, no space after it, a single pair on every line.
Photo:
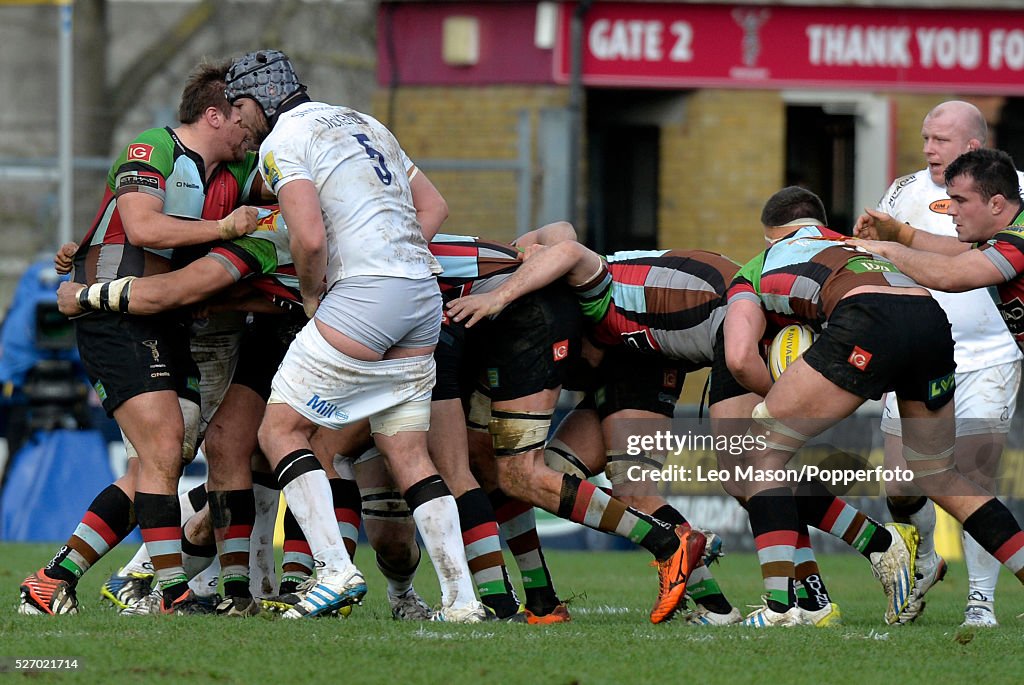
[736,446]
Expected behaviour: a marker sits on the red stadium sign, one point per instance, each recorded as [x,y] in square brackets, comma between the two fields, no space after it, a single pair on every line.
[748,46]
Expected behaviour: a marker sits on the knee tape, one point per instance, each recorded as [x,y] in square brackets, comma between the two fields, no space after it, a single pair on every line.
[559,457]
[412,416]
[515,433]
[763,418]
[479,412]
[384,504]
[619,464]
[192,415]
[945,456]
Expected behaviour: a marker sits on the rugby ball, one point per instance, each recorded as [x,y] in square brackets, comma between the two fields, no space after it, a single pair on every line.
[787,347]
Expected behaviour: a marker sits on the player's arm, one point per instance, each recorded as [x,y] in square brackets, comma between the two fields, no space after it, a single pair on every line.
[300,206]
[150,295]
[550,234]
[744,327]
[431,207]
[545,265]
[952,274]
[877,225]
[146,225]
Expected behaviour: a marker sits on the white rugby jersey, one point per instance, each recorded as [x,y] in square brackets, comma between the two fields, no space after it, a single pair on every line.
[981,337]
[361,175]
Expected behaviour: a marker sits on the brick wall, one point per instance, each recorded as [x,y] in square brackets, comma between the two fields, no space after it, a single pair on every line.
[471,124]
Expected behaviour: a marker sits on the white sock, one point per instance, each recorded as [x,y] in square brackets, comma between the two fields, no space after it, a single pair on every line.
[262,580]
[206,581]
[982,569]
[438,523]
[140,563]
[310,500]
[924,520]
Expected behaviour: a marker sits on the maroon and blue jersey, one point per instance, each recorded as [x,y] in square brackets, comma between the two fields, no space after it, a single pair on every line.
[802,277]
[667,302]
[1006,251]
[159,164]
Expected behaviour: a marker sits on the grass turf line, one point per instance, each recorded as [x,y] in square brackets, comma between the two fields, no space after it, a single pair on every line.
[609,641]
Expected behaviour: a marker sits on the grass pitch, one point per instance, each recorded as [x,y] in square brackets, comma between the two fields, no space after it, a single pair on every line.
[610,639]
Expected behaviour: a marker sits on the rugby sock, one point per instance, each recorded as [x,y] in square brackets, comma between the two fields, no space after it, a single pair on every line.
[518,523]
[982,569]
[483,553]
[819,508]
[234,514]
[297,562]
[774,522]
[190,502]
[347,506]
[437,520]
[995,529]
[160,522]
[399,580]
[582,502]
[107,521]
[308,493]
[921,514]
[811,593]
[267,496]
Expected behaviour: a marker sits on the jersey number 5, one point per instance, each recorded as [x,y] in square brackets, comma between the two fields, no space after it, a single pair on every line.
[380,167]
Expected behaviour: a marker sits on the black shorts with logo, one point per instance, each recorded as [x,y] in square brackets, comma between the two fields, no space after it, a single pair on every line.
[264,342]
[875,343]
[127,355]
[528,347]
[632,380]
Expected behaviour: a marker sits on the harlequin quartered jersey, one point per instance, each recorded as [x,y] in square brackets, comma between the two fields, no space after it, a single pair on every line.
[1006,251]
[158,163]
[802,277]
[264,257]
[472,265]
[981,337]
[670,302]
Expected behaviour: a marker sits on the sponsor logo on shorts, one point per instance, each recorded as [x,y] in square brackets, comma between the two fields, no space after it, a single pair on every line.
[940,206]
[140,152]
[859,358]
[192,383]
[326,409]
[160,374]
[560,350]
[941,386]
[153,349]
[101,392]
[492,378]
[669,379]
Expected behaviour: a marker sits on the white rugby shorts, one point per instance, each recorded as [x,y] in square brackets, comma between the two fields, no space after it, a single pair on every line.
[985,401]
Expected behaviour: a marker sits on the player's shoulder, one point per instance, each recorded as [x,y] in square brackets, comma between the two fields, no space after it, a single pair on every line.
[905,186]
[153,147]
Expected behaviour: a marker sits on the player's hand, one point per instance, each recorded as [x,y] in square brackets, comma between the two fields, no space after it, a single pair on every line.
[62,261]
[67,298]
[875,225]
[474,308]
[531,251]
[238,223]
[878,247]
